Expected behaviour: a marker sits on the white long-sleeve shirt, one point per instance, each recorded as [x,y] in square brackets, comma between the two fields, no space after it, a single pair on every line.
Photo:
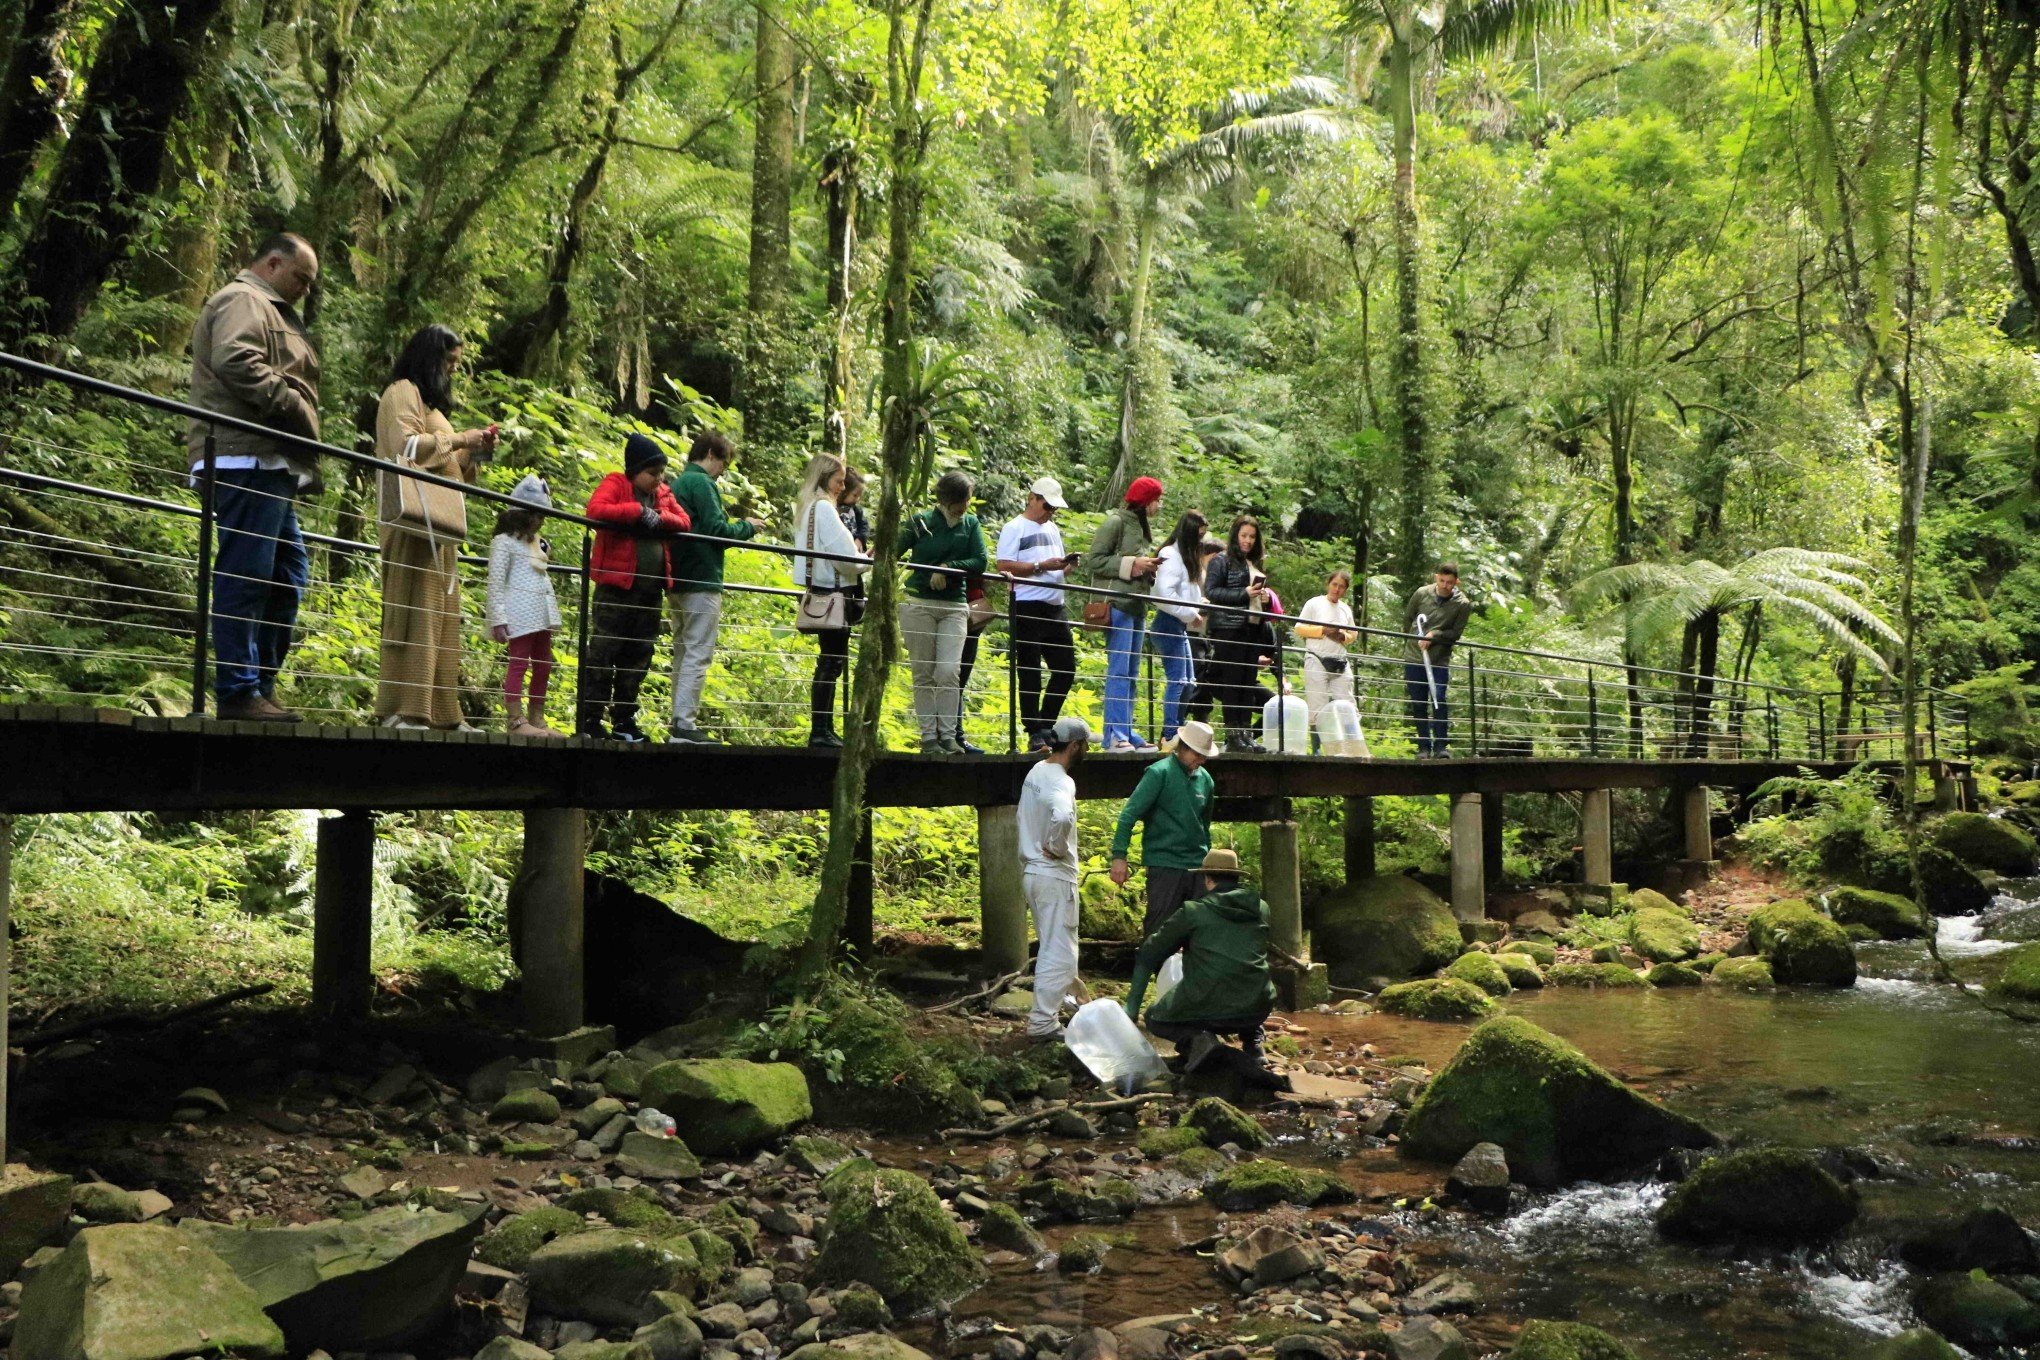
[1048,822]
[521,598]
[829,536]
[1178,592]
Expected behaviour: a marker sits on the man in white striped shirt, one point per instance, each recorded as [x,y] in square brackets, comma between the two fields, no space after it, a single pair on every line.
[1030,549]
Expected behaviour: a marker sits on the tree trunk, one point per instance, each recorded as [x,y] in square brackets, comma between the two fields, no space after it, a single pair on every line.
[112,166]
[906,49]
[1407,368]
[1699,735]
[766,417]
[30,92]
[1130,395]
[840,188]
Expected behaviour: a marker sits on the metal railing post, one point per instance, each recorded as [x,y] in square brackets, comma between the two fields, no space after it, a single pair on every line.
[1472,706]
[1593,716]
[1012,667]
[201,613]
[1820,712]
[1933,727]
[1771,723]
[1147,666]
[581,625]
[1281,694]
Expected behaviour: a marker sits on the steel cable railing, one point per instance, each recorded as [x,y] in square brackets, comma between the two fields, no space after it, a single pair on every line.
[156,588]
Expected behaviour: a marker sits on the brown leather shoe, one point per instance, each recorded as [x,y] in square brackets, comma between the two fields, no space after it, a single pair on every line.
[276,712]
[246,708]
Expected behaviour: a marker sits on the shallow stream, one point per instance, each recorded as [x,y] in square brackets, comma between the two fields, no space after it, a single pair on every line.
[1944,1095]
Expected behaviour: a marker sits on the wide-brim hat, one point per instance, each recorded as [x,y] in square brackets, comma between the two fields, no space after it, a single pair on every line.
[1220,861]
[1199,737]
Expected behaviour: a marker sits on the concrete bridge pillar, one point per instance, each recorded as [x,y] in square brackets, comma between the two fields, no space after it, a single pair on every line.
[1699,829]
[343,889]
[858,925]
[1282,884]
[1491,823]
[546,903]
[1597,837]
[1002,901]
[1359,832]
[6,965]
[1947,791]
[1469,854]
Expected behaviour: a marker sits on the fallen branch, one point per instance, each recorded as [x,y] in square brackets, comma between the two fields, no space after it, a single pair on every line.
[42,1038]
[987,994]
[1028,1121]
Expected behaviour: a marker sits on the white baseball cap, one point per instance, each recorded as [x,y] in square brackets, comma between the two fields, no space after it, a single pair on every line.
[1050,490]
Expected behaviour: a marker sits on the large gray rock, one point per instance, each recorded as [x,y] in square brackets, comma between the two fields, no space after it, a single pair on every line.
[865,1346]
[1481,1180]
[1426,1338]
[140,1291]
[607,1275]
[372,1283]
[33,1205]
[1387,926]
[1976,1312]
[1270,1255]
[724,1105]
[1766,1194]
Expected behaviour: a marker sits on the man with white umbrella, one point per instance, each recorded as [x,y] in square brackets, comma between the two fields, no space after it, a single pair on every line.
[1432,620]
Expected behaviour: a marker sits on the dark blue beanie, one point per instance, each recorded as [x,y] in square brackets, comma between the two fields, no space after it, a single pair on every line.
[641,452]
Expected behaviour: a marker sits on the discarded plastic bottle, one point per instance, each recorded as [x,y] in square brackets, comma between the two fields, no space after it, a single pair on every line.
[658,1125]
[1114,1050]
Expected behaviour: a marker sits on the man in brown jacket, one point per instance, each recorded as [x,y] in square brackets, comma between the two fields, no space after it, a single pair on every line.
[250,359]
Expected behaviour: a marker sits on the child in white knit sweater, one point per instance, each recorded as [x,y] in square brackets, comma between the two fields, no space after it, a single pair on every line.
[523,610]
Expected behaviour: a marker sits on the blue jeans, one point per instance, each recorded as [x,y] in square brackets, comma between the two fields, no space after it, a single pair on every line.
[259,572]
[1122,642]
[1430,722]
[1172,644]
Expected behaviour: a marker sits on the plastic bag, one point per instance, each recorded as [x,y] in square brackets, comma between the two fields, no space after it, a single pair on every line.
[1112,1047]
[1171,974]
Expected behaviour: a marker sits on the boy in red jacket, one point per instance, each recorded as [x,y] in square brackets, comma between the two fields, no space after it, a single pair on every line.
[632,568]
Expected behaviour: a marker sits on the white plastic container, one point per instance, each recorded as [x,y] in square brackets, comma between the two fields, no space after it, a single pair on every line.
[1171,974]
[1285,725]
[1338,727]
[1112,1047]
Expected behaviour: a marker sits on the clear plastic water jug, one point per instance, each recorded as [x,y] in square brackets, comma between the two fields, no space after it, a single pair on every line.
[1285,725]
[1171,974]
[1112,1047]
[1338,728]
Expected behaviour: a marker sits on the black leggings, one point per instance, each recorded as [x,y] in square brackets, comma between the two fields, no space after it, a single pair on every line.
[832,658]
[1235,659]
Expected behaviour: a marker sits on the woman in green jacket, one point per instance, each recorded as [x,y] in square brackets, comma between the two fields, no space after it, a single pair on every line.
[1122,559]
[940,548]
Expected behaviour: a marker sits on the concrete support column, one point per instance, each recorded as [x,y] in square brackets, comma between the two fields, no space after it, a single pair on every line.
[1282,884]
[1597,836]
[1947,792]
[1469,877]
[546,918]
[6,966]
[857,918]
[1002,901]
[343,886]
[1491,839]
[1698,826]
[1359,831]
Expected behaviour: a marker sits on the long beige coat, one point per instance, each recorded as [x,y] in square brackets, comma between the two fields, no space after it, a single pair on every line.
[420,675]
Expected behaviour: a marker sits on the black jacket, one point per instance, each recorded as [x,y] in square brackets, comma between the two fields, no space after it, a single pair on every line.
[1226,582]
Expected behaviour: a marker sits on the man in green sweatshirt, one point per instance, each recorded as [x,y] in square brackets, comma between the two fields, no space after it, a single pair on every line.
[1174,798]
[1226,990]
[696,598]
[1432,621]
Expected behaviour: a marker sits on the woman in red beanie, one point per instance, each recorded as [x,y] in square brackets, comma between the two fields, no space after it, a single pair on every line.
[1122,559]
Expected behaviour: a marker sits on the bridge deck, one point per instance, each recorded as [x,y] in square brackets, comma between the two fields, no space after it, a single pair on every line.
[95,760]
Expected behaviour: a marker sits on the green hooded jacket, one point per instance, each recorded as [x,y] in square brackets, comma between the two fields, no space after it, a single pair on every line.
[698,566]
[1224,939]
[1176,805]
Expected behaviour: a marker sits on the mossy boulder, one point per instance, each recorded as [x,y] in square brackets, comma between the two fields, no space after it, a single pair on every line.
[888,1081]
[1556,1114]
[140,1291]
[1917,1344]
[1219,1123]
[1948,887]
[1160,1144]
[1778,1195]
[529,1106]
[1435,999]
[815,1155]
[1985,842]
[1099,1199]
[888,1230]
[1804,947]
[1593,975]
[606,1275]
[1664,935]
[510,1243]
[1537,927]
[1521,970]
[2024,792]
[1262,1182]
[1106,911]
[1750,975]
[1386,926]
[1892,917]
[1544,955]
[2019,978]
[1541,1340]
[1976,1312]
[1004,1229]
[1650,899]
[1708,962]
[725,1106]
[640,1211]
[1482,971]
[1675,975]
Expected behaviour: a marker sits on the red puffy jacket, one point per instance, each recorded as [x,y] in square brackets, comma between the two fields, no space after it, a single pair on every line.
[615,501]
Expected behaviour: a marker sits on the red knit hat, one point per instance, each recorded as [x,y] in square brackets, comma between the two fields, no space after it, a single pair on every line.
[1144,491]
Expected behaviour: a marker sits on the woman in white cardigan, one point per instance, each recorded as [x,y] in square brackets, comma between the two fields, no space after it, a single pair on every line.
[818,527]
[1178,596]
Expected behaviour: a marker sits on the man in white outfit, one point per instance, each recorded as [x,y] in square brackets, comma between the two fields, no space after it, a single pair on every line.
[1048,860]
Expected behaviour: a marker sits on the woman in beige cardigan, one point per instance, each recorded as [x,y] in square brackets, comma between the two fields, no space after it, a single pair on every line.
[423,528]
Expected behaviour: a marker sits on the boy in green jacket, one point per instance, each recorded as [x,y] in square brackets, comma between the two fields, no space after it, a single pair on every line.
[1174,798]
[696,598]
[1225,989]
[940,547]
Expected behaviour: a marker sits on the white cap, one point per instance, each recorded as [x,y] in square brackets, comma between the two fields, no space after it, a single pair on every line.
[533,491]
[1050,490]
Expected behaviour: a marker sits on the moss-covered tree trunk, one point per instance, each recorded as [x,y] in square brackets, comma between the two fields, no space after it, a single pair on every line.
[766,366]
[1407,355]
[30,90]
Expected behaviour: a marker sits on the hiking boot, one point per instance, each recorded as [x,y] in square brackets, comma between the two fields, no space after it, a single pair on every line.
[245,708]
[824,738]
[277,712]
[687,736]
[950,746]
[967,748]
[1202,1045]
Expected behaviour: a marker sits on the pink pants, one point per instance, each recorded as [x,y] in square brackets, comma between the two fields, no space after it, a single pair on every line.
[535,651]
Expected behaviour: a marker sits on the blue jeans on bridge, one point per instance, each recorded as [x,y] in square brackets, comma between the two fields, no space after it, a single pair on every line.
[1172,644]
[1429,720]
[259,573]
[1122,643]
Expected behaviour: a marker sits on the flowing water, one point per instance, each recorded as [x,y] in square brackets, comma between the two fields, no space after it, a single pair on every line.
[1942,1094]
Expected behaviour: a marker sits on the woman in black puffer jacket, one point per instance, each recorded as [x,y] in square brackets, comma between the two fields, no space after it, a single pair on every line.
[1236,579]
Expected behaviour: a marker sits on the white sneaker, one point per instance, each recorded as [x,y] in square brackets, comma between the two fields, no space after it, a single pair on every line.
[400,723]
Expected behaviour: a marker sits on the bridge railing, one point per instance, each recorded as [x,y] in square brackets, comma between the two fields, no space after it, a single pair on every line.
[120,613]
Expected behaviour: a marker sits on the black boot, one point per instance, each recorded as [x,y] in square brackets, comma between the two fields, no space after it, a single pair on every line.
[822,732]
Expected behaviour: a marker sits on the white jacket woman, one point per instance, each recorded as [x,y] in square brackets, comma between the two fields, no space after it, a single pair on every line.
[1179,589]
[818,526]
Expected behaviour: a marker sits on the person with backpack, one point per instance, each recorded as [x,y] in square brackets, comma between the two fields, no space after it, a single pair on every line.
[1122,559]
[422,528]
[697,595]
[940,548]
[819,526]
[1239,633]
[632,568]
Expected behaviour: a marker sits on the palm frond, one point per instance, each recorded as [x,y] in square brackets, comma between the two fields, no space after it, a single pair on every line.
[1486,25]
